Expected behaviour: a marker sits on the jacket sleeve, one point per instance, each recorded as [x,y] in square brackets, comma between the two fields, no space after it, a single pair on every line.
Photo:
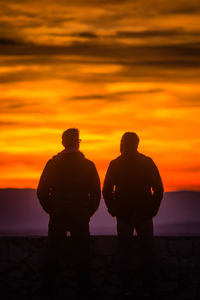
[157,186]
[94,190]
[44,187]
[108,191]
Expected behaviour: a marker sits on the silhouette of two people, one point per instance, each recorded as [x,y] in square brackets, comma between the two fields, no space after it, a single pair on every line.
[69,191]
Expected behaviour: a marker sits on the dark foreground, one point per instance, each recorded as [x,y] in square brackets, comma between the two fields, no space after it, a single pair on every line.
[177,268]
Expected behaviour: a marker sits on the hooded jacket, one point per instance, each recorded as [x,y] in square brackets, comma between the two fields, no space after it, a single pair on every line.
[69,183]
[133,187]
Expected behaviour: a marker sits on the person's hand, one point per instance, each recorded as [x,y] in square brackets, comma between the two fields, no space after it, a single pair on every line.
[154,210]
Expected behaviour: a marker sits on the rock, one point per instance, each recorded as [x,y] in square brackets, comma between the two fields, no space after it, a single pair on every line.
[177,264]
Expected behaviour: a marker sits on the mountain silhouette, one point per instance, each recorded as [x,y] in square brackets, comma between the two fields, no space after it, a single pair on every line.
[21,214]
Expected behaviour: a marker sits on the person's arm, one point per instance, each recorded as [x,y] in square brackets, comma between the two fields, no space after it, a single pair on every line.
[94,190]
[108,190]
[157,186]
[44,187]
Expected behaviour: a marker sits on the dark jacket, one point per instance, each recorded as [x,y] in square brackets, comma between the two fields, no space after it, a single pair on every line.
[133,187]
[69,183]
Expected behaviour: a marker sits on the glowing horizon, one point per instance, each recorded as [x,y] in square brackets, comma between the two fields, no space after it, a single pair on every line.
[104,68]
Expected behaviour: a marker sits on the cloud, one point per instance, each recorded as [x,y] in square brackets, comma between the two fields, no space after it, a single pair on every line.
[20,76]
[188,9]
[103,50]
[5,124]
[114,96]
[9,42]
[12,105]
[85,34]
[142,34]
[139,62]
[172,64]
[156,33]
[89,97]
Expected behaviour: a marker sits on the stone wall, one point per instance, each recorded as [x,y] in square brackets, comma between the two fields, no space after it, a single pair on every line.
[176,260]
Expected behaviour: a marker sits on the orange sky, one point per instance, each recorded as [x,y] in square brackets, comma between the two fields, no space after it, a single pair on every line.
[104,67]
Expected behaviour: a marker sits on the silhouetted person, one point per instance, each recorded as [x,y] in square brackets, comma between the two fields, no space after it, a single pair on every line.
[133,192]
[69,191]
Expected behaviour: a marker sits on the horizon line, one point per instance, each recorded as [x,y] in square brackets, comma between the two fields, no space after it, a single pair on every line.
[29,188]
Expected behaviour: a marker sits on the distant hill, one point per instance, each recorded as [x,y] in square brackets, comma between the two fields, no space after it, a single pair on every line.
[21,214]
[179,214]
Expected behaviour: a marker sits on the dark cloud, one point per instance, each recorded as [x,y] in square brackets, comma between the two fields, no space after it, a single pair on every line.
[17,26]
[102,50]
[85,34]
[89,97]
[21,75]
[10,105]
[62,19]
[55,21]
[10,10]
[3,124]
[156,33]
[185,10]
[173,64]
[9,42]
[39,60]
[136,61]
[15,20]
[174,32]
[110,96]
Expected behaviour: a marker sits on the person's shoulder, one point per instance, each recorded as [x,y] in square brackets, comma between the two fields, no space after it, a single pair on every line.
[115,161]
[49,164]
[89,163]
[145,158]
[118,158]
[148,162]
[51,160]
[55,159]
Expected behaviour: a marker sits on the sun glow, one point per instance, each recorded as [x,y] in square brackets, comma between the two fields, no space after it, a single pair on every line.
[104,69]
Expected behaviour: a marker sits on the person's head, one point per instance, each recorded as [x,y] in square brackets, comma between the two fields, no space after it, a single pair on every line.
[129,143]
[70,138]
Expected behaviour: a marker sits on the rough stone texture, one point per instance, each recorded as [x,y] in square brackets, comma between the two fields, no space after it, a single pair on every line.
[176,274]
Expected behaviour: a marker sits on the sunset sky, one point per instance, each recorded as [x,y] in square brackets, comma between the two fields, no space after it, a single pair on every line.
[104,67]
